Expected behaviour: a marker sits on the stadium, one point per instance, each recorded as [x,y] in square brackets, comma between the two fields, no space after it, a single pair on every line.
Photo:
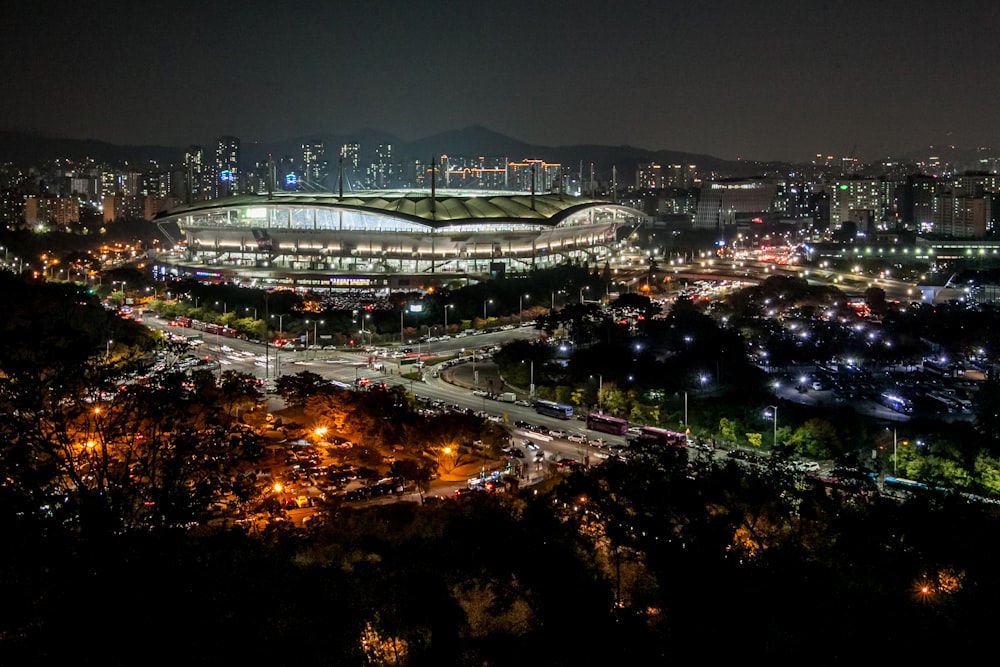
[386,240]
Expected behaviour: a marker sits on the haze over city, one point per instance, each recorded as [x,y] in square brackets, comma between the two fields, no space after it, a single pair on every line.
[764,81]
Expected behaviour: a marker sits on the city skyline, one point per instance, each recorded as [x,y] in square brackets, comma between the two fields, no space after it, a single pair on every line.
[781,81]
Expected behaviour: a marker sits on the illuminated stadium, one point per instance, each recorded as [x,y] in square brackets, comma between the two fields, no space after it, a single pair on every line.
[387,239]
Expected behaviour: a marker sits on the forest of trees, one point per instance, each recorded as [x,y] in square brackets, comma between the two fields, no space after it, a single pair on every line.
[111,557]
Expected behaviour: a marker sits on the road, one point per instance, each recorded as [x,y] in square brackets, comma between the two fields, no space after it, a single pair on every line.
[453,386]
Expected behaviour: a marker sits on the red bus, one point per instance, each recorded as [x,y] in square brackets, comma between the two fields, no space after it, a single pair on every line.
[607,424]
[651,434]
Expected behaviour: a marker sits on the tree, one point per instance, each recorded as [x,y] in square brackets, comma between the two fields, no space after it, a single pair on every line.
[727,429]
[816,438]
[296,389]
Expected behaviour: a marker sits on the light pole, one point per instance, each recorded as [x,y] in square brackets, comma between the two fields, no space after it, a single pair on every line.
[520,307]
[363,330]
[315,324]
[401,310]
[107,352]
[531,386]
[249,308]
[600,391]
[446,307]
[485,318]
[225,307]
[585,287]
[281,322]
[685,411]
[774,413]
[894,442]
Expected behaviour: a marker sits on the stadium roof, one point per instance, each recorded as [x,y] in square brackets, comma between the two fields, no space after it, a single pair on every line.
[446,206]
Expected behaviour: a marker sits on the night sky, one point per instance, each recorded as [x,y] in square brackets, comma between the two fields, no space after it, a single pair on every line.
[752,80]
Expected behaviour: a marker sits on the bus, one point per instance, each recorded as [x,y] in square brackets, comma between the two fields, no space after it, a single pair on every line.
[607,424]
[553,409]
[896,402]
[652,434]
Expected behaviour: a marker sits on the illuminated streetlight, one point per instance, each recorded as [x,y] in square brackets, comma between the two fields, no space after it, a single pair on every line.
[600,392]
[774,414]
[446,307]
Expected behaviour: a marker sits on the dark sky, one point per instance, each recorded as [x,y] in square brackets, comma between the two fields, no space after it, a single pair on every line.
[758,80]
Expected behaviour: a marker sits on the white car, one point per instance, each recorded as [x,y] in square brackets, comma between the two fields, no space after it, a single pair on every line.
[556,433]
[576,437]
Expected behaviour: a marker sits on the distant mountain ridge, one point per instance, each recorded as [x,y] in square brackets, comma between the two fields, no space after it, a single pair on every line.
[29,149]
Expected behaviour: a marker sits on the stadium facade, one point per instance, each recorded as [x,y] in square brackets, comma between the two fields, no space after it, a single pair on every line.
[387,239]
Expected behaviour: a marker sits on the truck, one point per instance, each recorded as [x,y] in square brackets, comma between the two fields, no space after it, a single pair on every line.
[507,397]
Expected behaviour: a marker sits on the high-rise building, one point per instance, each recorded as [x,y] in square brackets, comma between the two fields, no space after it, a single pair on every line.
[227,166]
[350,165]
[112,183]
[314,166]
[534,174]
[381,173]
[727,203]
[680,175]
[968,208]
[194,174]
[649,176]
[856,200]
[919,201]
[962,216]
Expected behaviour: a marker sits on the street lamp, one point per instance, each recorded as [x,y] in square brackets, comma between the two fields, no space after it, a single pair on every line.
[225,307]
[249,308]
[520,306]
[107,352]
[446,307]
[485,303]
[600,392]
[281,323]
[316,324]
[363,331]
[531,385]
[774,413]
[585,287]
[894,443]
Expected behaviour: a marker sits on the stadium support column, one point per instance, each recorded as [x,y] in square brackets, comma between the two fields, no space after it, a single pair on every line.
[433,207]
[270,176]
[267,352]
[532,186]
